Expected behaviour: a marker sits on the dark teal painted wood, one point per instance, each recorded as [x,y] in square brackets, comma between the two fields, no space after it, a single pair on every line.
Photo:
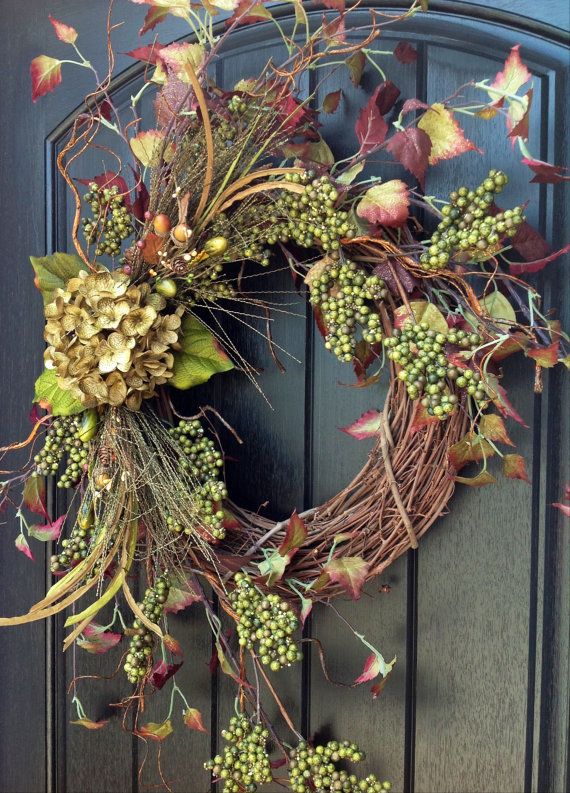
[487,706]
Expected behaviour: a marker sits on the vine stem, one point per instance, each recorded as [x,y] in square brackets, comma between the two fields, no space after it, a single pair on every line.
[278,526]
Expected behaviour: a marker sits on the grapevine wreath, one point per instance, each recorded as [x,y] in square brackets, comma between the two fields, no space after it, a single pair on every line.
[227,182]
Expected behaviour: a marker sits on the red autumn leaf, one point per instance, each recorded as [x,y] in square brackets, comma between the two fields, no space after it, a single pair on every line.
[370,127]
[517,342]
[337,5]
[411,147]
[405,52]
[142,197]
[89,724]
[386,204]
[355,64]
[514,467]
[46,75]
[545,173]
[162,672]
[154,731]
[504,406]
[529,243]
[172,644]
[519,116]
[392,272]
[564,508]
[22,545]
[386,96]
[110,179]
[350,572]
[295,535]
[193,719]
[230,521]
[482,479]
[306,608]
[247,13]
[64,32]
[374,665]
[333,33]
[34,495]
[149,53]
[470,449]
[413,104]
[493,428]
[535,266]
[447,137]
[152,18]
[546,356]
[181,595]
[50,532]
[331,101]
[367,426]
[512,77]
[421,419]
[379,687]
[95,639]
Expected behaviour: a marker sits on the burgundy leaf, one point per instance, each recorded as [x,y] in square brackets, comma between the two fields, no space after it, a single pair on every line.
[533,267]
[97,640]
[530,243]
[545,173]
[371,128]
[413,104]
[393,272]
[149,53]
[49,532]
[110,179]
[295,535]
[405,53]
[162,672]
[411,147]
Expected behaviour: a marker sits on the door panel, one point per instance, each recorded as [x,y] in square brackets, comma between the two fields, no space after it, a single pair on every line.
[474,702]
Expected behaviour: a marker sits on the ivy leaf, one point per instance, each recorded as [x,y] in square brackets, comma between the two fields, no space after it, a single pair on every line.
[498,307]
[295,535]
[51,397]
[96,640]
[50,532]
[179,55]
[545,173]
[331,101]
[180,595]
[348,176]
[374,665]
[493,428]
[470,449]
[46,75]
[546,357]
[421,311]
[446,136]
[193,720]
[371,128]
[273,567]
[34,495]
[147,148]
[367,426]
[411,147]
[156,732]
[386,204]
[162,672]
[512,77]
[405,52]
[504,406]
[89,724]
[64,32]
[355,64]
[482,479]
[54,271]
[200,357]
[514,467]
[22,545]
[350,572]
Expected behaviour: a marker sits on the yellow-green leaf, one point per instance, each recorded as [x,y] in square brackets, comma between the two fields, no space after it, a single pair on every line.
[147,148]
[421,311]
[498,307]
[54,271]
[51,397]
[200,357]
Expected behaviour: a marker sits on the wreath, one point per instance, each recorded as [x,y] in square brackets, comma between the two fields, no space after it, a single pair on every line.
[226,182]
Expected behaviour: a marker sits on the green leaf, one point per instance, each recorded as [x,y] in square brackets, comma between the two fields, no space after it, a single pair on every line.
[421,311]
[498,307]
[50,396]
[200,357]
[273,567]
[53,272]
[348,176]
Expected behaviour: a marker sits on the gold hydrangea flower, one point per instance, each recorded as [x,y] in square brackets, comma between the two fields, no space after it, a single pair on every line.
[108,340]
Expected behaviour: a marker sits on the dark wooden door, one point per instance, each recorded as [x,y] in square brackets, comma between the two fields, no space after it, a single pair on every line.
[478,616]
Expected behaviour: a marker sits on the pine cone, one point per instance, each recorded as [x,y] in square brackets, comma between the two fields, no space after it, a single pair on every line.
[109,341]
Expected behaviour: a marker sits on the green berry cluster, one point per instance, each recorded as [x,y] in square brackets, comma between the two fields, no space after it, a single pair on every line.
[265,620]
[311,218]
[237,105]
[468,226]
[312,770]
[346,296]
[61,440]
[205,463]
[76,546]
[139,656]
[426,371]
[245,762]
[111,221]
